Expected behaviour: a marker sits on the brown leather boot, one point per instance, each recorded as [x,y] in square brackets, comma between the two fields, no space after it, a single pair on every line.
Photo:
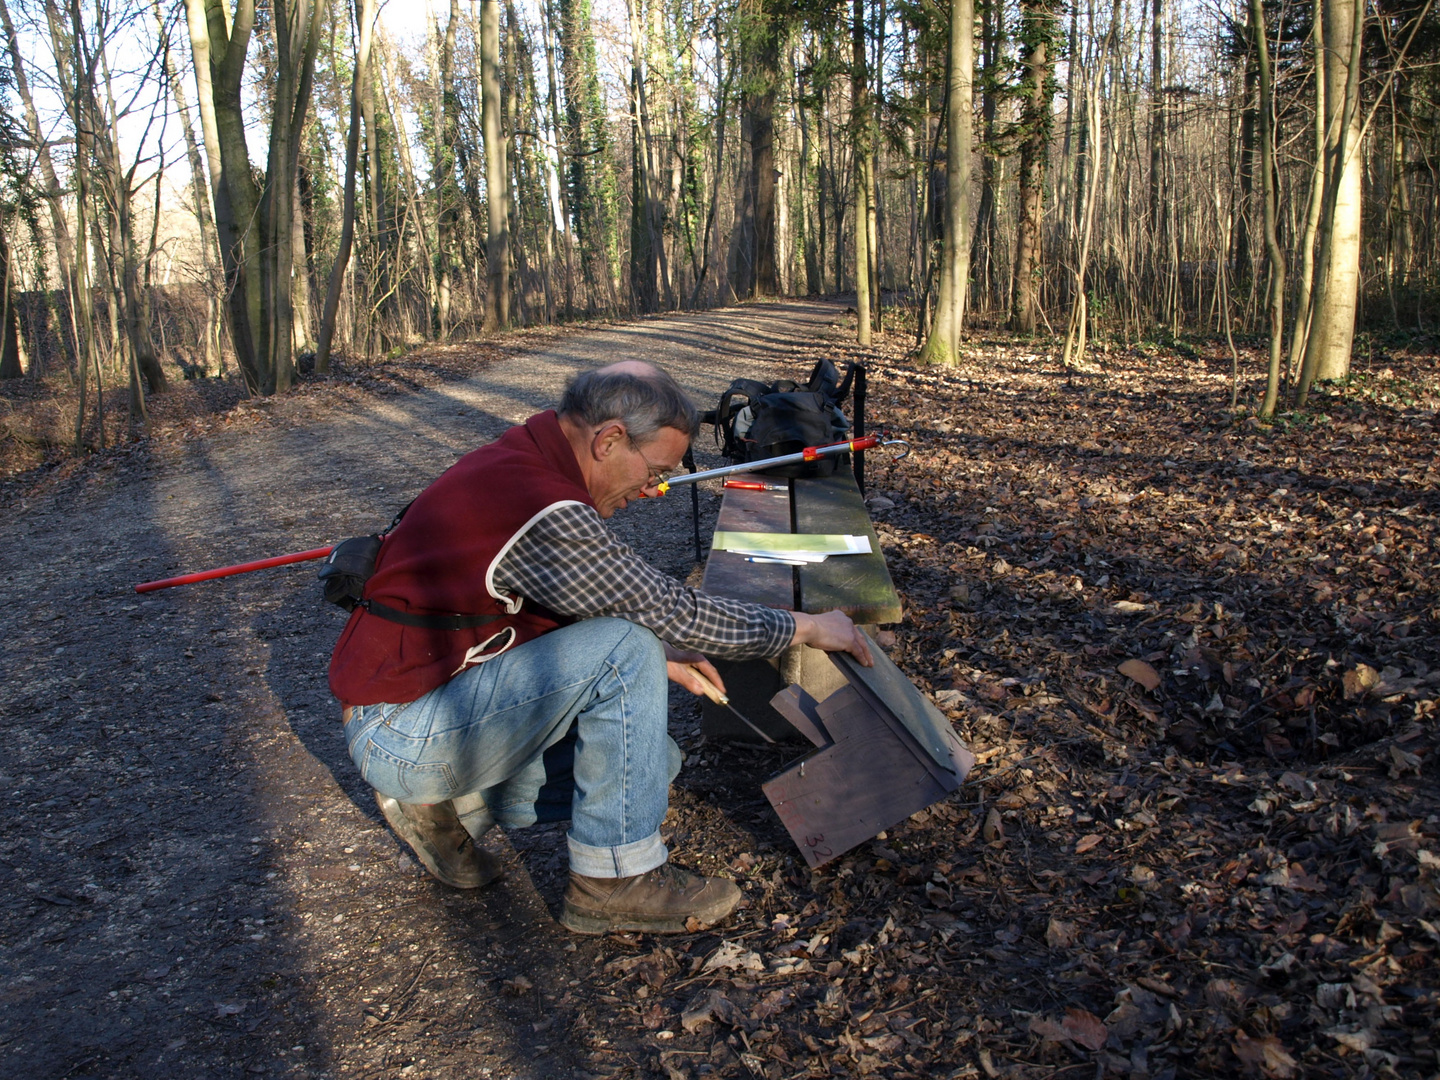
[441,843]
[662,901]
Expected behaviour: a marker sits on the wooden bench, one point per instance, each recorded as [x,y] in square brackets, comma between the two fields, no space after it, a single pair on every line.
[858,585]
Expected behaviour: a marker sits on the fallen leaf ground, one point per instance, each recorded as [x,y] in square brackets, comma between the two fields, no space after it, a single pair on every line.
[1198,659]
[1221,861]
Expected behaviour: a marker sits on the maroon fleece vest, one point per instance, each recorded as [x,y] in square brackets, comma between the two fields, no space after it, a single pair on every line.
[440,560]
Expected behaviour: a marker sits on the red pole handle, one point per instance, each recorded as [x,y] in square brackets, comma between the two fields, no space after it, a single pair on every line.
[813,453]
[231,571]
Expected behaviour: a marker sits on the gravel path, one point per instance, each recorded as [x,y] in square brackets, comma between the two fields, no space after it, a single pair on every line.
[197,883]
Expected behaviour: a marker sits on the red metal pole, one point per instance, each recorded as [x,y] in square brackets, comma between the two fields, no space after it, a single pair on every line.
[231,571]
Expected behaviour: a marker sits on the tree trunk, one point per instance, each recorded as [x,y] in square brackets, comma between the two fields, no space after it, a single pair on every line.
[724,76]
[1301,308]
[874,207]
[647,241]
[210,138]
[407,233]
[860,137]
[365,17]
[809,205]
[943,344]
[763,32]
[525,194]
[1037,34]
[204,217]
[1274,256]
[1337,269]
[300,302]
[297,39]
[1157,113]
[497,173]
[562,187]
[588,147]
[1075,336]
[983,254]
[49,182]
[447,210]
[1240,246]
[221,48]
[10,366]
[77,90]
[872,237]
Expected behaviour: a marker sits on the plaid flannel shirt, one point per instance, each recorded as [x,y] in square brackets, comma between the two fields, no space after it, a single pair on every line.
[572,564]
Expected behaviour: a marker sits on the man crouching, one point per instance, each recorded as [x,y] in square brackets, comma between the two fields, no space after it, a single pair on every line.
[508,662]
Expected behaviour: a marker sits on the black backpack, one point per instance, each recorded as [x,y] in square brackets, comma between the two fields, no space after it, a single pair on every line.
[757,420]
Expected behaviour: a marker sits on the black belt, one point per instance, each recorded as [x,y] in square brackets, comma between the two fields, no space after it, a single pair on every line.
[426,622]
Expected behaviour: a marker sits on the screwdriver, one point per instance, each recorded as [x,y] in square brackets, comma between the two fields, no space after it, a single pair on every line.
[715,694]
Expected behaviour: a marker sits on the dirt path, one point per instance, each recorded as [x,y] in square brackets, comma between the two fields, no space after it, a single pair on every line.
[197,882]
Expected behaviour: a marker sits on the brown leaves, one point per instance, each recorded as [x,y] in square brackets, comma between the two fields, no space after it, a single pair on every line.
[1060,935]
[518,986]
[652,969]
[1078,1026]
[776,1001]
[1402,762]
[993,830]
[1142,673]
[1226,995]
[730,956]
[1264,1057]
[1359,680]
[707,1006]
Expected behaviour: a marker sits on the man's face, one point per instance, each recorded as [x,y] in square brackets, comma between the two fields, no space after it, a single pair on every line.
[626,469]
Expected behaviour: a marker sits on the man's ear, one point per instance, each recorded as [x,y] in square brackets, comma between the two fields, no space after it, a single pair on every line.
[607,439]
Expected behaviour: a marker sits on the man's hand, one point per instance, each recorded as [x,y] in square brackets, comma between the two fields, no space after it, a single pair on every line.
[833,632]
[684,667]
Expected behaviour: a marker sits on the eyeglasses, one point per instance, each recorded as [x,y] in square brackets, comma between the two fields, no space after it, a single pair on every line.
[656,476]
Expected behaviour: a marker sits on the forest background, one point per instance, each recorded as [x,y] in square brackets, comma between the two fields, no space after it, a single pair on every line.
[1185,618]
[250,190]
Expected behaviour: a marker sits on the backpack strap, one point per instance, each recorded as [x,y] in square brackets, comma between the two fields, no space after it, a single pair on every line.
[396,519]
[850,369]
[751,390]
[824,378]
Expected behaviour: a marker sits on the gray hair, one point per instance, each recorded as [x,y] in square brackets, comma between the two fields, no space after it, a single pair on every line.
[643,403]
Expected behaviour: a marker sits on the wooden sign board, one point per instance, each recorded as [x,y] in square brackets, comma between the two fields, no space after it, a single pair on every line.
[883,752]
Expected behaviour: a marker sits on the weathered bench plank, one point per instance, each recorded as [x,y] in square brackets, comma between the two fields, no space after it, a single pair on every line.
[858,585]
[728,574]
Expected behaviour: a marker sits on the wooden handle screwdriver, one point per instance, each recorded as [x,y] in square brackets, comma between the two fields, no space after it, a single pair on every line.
[719,697]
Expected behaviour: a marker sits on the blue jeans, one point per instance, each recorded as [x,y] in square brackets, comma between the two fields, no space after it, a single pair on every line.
[581,711]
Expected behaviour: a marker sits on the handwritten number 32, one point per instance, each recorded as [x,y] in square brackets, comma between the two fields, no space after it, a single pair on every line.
[815,842]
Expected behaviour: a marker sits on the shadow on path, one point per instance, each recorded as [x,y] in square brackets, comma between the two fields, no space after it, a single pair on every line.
[200,884]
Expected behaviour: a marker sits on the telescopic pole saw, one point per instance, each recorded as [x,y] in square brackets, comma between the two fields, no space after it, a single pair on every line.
[810,453]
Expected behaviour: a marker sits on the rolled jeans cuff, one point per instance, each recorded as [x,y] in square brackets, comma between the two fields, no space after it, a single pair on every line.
[473,814]
[626,860]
